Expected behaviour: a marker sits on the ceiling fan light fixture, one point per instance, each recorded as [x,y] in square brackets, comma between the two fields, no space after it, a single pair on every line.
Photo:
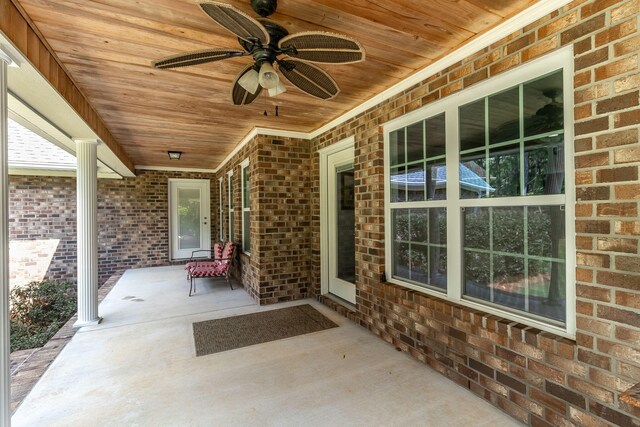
[280,88]
[268,77]
[250,81]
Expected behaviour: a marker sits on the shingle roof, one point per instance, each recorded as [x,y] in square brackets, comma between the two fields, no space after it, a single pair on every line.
[29,150]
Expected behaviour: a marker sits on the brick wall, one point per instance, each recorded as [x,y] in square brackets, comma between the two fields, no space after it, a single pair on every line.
[538,378]
[133,224]
[277,269]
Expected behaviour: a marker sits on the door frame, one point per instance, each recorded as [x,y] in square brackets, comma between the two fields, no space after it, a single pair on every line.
[206,235]
[345,144]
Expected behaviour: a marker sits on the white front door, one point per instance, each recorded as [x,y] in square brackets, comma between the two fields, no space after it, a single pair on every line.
[340,216]
[189,217]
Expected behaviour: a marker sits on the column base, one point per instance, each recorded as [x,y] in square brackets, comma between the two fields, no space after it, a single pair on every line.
[80,324]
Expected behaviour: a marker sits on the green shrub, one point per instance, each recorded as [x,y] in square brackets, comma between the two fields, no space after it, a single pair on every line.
[38,310]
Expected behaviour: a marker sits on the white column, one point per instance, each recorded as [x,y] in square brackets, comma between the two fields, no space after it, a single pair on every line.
[5,387]
[87,214]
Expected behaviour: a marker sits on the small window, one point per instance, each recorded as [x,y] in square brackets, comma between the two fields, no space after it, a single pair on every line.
[230,202]
[246,209]
[221,210]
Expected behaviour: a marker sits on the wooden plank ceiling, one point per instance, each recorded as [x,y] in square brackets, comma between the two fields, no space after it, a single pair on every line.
[107,47]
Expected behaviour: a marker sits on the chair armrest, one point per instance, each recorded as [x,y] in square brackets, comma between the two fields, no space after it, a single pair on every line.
[199,250]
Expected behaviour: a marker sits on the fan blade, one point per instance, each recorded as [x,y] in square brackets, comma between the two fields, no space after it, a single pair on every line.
[309,79]
[236,21]
[239,95]
[197,57]
[318,46]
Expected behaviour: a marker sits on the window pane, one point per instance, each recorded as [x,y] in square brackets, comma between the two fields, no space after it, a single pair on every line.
[400,223]
[543,108]
[475,228]
[504,116]
[472,133]
[401,260]
[473,176]
[231,230]
[419,246]
[508,229]
[188,218]
[398,184]
[396,147]
[436,180]
[547,289]
[504,171]
[546,231]
[415,182]
[245,188]
[246,231]
[520,263]
[415,142]
[436,136]
[544,166]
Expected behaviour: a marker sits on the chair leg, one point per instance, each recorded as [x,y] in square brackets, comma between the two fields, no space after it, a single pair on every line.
[192,286]
[229,282]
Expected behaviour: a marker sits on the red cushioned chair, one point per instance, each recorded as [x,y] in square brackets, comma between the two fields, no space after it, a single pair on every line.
[218,266]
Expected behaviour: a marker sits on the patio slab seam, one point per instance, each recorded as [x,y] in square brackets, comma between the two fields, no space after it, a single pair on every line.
[27,370]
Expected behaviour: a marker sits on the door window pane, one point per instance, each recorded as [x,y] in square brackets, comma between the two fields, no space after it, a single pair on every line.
[246,231]
[345,215]
[188,218]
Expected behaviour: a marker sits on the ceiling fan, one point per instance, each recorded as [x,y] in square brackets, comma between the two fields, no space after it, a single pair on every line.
[271,45]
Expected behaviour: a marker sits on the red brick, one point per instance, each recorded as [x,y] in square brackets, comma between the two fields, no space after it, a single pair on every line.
[547,400]
[616,32]
[627,192]
[592,193]
[617,279]
[617,139]
[558,25]
[591,93]
[593,292]
[594,359]
[609,414]
[616,103]
[593,260]
[628,299]
[608,380]
[609,244]
[593,227]
[592,160]
[591,126]
[582,112]
[628,263]
[592,58]
[626,9]
[584,307]
[590,390]
[629,173]
[628,335]
[595,7]
[631,318]
[581,30]
[584,243]
[582,46]
[626,83]
[629,45]
[581,79]
[617,210]
[504,65]
[590,325]
[616,68]
[631,228]
[584,274]
[565,394]
[626,118]
[584,178]
[539,49]
[584,144]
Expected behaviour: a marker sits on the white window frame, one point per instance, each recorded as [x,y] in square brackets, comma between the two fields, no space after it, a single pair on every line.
[244,165]
[562,58]
[220,211]
[230,200]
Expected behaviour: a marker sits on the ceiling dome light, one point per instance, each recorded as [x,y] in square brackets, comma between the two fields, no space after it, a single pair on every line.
[268,77]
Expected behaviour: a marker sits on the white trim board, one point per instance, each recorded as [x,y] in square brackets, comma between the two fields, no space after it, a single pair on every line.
[172,169]
[522,19]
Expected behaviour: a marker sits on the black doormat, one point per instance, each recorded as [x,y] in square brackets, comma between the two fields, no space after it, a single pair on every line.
[213,336]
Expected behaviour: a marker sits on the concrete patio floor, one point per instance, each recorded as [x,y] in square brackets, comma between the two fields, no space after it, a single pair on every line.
[139,368]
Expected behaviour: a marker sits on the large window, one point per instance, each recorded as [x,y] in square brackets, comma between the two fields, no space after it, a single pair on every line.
[479,197]
[246,209]
[231,209]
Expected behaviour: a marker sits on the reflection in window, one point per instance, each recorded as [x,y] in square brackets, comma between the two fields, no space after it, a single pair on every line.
[513,140]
